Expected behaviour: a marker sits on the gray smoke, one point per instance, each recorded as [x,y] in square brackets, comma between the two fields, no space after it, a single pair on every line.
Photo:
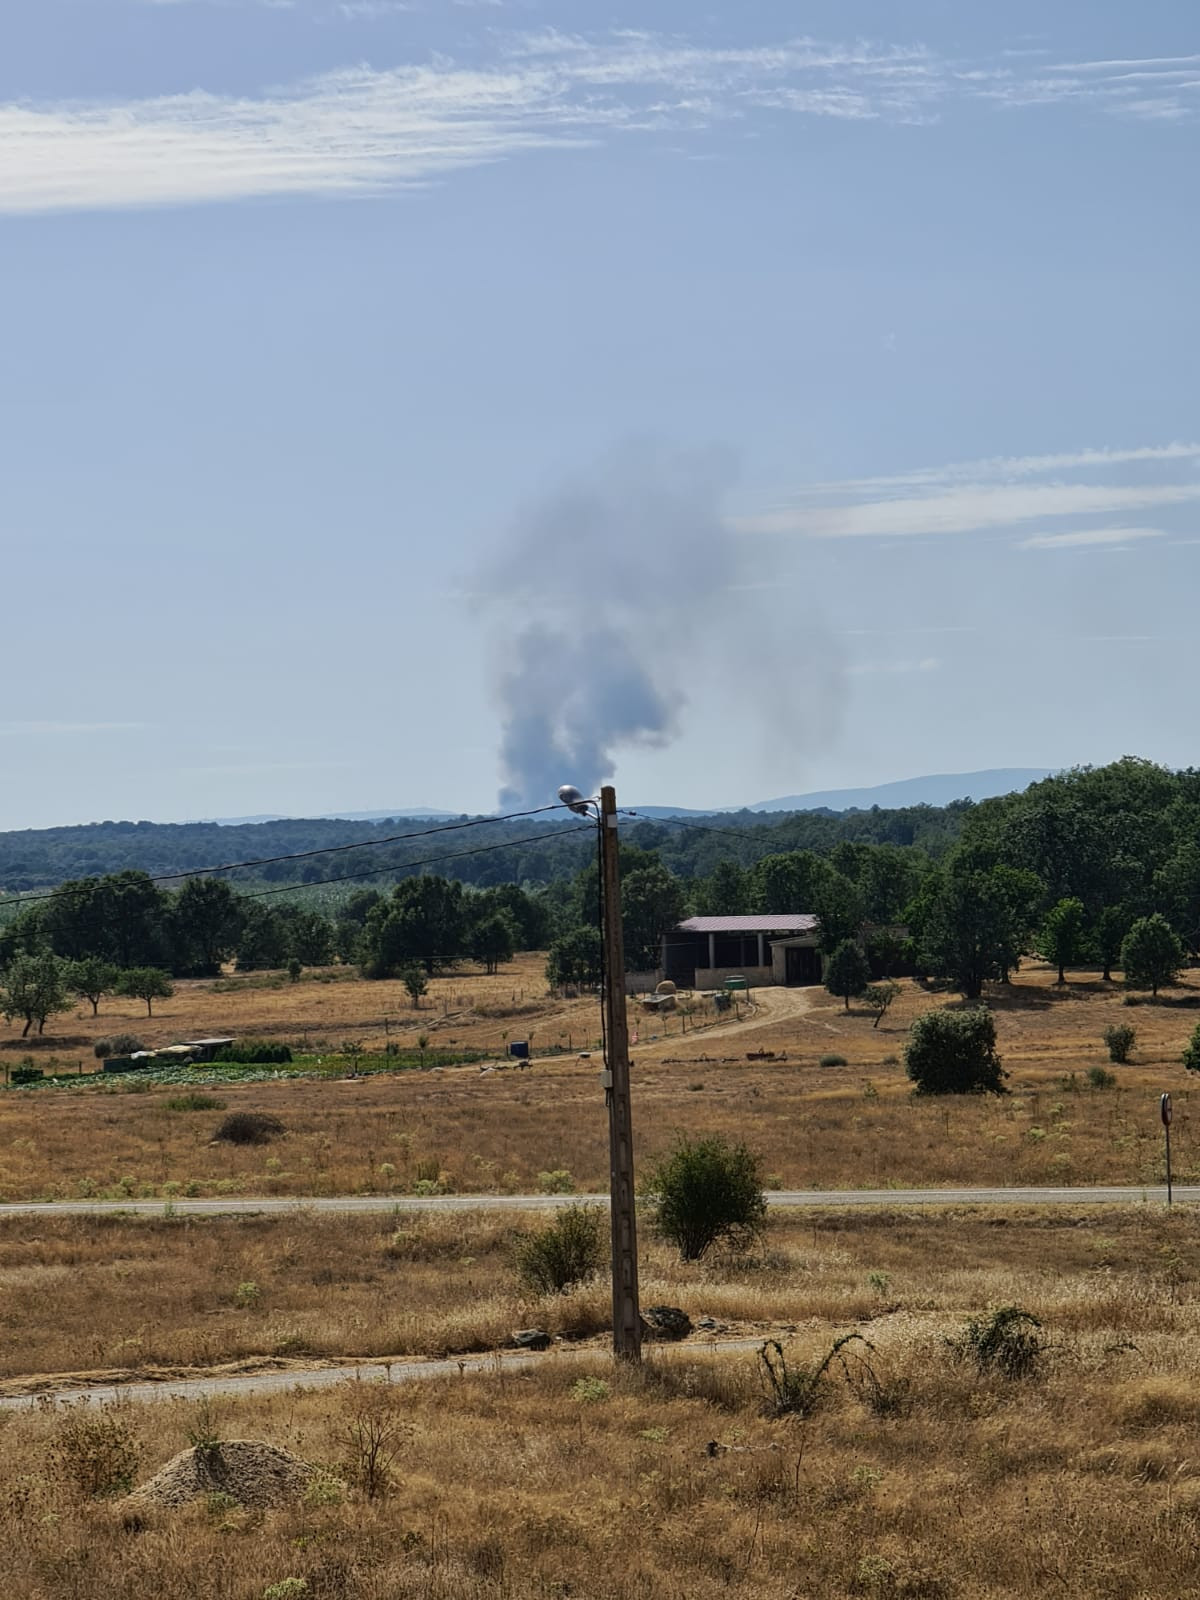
[602,601]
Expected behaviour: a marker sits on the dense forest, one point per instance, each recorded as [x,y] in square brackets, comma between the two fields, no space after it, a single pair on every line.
[1095,866]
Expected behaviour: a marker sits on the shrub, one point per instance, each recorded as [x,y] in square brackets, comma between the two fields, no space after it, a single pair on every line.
[567,1251]
[1120,1040]
[195,1102]
[1006,1340]
[1191,1052]
[707,1190]
[248,1127]
[954,1052]
[878,997]
[294,969]
[254,1053]
[95,1452]
[25,1073]
[833,1061]
[1101,1078]
[797,1391]
[559,1181]
[372,1434]
[120,1044]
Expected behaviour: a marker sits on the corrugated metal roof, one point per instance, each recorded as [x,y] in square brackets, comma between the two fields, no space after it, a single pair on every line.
[774,923]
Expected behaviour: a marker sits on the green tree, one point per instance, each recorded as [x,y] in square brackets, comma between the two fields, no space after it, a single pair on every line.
[1151,954]
[91,979]
[786,882]
[652,902]
[1061,937]
[1112,925]
[493,940]
[846,971]
[35,987]
[206,920]
[972,924]
[839,908]
[425,920]
[879,998]
[295,969]
[148,984]
[414,980]
[120,917]
[1191,1051]
[575,958]
[724,893]
[954,1052]
[707,1191]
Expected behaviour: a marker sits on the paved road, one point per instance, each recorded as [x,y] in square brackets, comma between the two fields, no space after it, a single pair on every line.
[272,1205]
[402,1371]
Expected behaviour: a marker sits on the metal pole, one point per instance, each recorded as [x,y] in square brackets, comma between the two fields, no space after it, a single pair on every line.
[627,1321]
[1166,1112]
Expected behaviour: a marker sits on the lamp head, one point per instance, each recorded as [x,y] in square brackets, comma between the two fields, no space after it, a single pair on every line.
[569,796]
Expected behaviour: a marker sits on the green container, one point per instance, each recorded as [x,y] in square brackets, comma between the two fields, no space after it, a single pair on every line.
[738,984]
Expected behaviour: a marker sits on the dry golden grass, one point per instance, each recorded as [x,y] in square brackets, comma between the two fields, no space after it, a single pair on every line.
[113,1298]
[848,1126]
[1081,1481]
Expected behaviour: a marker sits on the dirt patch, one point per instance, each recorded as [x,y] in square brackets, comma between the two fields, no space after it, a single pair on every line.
[256,1475]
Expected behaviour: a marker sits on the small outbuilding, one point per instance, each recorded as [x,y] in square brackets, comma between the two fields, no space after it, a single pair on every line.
[779,947]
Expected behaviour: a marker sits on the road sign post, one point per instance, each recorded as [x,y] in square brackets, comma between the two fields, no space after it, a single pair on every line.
[1166,1113]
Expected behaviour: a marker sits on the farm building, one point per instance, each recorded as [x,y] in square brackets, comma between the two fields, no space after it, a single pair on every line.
[777,948]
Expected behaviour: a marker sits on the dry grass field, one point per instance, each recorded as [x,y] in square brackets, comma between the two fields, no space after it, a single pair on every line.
[930,1477]
[454,1129]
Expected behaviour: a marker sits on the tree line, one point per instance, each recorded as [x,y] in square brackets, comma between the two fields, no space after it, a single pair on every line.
[1097,867]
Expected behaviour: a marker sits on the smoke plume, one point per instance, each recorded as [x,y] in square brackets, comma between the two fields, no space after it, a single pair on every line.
[607,601]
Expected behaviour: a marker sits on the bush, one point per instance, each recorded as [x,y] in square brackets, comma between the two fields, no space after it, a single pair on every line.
[1005,1341]
[559,1181]
[1101,1078]
[833,1061]
[954,1052]
[120,1044]
[707,1190]
[195,1102]
[95,1452]
[1151,954]
[248,1127]
[1120,1040]
[1191,1052]
[797,1390]
[25,1073]
[254,1053]
[567,1251]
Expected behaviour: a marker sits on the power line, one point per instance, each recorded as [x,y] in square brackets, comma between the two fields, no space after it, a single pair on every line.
[308,855]
[407,866]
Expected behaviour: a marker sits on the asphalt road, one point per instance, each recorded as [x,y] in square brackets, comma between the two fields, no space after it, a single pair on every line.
[272,1205]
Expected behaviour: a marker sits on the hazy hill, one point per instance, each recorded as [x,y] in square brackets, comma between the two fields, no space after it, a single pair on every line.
[936,790]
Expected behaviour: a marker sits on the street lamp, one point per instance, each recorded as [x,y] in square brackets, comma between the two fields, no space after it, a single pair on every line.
[627,1320]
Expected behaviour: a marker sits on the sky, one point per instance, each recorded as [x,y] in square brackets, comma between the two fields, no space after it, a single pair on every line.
[401,404]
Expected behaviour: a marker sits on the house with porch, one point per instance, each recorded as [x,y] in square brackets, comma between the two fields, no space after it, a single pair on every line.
[701,952]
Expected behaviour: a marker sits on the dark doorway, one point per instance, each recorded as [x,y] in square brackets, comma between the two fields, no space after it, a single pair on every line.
[801,965]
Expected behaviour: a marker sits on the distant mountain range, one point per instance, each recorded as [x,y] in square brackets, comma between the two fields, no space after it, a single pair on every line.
[938,789]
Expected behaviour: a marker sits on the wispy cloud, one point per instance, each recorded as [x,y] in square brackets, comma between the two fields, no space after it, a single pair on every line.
[17,729]
[864,669]
[1090,538]
[365,131]
[1075,488]
[969,509]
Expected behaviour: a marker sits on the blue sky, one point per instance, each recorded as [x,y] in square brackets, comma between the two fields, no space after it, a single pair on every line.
[745,399]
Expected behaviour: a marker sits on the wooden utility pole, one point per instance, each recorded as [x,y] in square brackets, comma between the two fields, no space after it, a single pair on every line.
[627,1319]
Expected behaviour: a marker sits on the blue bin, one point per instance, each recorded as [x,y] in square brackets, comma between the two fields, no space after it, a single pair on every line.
[519,1049]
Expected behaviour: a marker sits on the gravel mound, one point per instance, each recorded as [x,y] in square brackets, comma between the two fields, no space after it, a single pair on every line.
[256,1475]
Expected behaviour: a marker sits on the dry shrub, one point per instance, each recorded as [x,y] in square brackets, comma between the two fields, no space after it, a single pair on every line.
[372,1434]
[94,1451]
[567,1251]
[248,1127]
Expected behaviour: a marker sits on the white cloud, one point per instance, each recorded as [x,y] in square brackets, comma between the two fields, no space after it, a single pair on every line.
[363,131]
[871,668]
[1090,538]
[969,509]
